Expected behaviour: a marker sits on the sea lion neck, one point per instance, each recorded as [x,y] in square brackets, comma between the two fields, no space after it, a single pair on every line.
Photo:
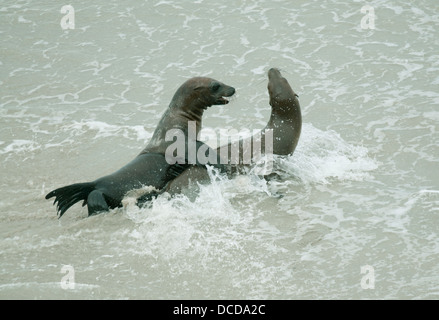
[184,108]
[283,100]
[188,108]
[286,108]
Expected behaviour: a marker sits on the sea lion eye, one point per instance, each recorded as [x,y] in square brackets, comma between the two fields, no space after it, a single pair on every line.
[215,87]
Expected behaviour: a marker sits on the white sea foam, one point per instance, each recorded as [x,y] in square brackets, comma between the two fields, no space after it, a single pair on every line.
[172,227]
[19,146]
[323,155]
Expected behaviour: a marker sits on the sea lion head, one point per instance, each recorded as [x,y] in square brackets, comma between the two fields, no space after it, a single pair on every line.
[279,89]
[203,92]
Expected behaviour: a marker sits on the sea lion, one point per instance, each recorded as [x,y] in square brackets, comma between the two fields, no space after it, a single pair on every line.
[152,166]
[284,127]
[286,117]
[282,132]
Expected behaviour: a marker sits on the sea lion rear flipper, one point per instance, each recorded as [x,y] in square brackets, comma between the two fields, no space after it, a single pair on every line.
[96,202]
[67,196]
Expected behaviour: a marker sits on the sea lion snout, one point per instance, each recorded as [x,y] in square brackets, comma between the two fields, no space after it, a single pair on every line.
[220,91]
[230,91]
[274,73]
[209,91]
[226,92]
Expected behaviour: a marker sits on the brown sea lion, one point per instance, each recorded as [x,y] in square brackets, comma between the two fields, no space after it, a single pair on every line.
[282,132]
[152,166]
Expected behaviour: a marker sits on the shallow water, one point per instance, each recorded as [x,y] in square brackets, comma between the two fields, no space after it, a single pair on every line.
[361,190]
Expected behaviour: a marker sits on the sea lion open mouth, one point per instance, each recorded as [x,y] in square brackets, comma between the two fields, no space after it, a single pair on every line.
[220,92]
[222,100]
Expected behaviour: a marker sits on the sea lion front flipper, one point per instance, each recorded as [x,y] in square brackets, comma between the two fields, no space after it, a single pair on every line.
[212,158]
[175,170]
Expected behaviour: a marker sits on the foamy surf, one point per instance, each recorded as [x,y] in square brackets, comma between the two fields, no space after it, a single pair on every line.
[227,209]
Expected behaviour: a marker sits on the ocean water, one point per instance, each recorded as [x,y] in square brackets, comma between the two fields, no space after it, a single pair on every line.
[354,213]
